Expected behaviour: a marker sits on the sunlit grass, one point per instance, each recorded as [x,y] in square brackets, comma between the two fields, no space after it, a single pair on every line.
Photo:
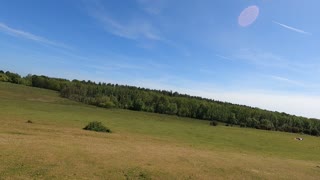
[142,145]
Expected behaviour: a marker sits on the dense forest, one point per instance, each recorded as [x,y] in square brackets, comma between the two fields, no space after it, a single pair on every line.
[167,102]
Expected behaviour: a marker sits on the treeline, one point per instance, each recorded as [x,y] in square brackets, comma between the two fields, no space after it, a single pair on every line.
[168,102]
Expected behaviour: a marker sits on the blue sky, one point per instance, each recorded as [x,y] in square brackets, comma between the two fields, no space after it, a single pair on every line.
[196,47]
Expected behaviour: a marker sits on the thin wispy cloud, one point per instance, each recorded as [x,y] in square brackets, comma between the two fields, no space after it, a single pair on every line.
[136,28]
[306,85]
[26,35]
[223,57]
[292,28]
[122,63]
[153,7]
[259,57]
[133,29]
[289,81]
[117,66]
[271,60]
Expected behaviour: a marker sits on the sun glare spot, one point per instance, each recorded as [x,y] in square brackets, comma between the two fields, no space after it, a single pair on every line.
[248,16]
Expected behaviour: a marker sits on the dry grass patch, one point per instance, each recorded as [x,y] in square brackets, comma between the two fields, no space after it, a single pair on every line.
[71,153]
[143,145]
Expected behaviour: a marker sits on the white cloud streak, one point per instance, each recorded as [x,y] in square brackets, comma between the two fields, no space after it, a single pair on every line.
[223,57]
[132,29]
[117,67]
[289,81]
[26,35]
[153,7]
[292,28]
[271,60]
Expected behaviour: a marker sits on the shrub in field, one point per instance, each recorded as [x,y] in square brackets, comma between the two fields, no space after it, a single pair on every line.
[315,132]
[29,121]
[97,126]
[243,125]
[213,123]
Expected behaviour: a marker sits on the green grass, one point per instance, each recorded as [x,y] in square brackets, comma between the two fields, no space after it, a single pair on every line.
[146,142]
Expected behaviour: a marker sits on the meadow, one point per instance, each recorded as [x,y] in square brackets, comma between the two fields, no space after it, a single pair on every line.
[141,146]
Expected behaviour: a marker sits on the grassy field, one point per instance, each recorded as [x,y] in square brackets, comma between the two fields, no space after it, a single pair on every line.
[142,145]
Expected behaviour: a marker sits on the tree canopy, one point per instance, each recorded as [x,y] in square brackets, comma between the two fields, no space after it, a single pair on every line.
[168,102]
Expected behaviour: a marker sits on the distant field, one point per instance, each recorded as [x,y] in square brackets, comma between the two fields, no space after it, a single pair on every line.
[142,145]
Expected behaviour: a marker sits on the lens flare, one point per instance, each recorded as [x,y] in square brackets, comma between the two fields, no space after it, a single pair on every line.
[248,16]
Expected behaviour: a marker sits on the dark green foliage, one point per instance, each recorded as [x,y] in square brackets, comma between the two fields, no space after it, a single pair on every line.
[4,77]
[138,105]
[29,121]
[13,77]
[232,119]
[315,132]
[266,124]
[97,126]
[10,77]
[168,102]
[243,125]
[213,123]
[48,83]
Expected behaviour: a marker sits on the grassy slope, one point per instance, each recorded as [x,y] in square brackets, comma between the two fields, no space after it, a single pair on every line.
[143,145]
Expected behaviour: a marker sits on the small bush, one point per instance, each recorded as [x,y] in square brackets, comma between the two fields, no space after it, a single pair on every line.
[315,132]
[213,123]
[29,121]
[97,126]
[243,125]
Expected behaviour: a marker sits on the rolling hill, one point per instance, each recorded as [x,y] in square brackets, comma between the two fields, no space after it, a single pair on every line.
[142,146]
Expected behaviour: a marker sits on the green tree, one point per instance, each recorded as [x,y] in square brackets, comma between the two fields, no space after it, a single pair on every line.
[4,77]
[138,105]
[232,119]
[266,124]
